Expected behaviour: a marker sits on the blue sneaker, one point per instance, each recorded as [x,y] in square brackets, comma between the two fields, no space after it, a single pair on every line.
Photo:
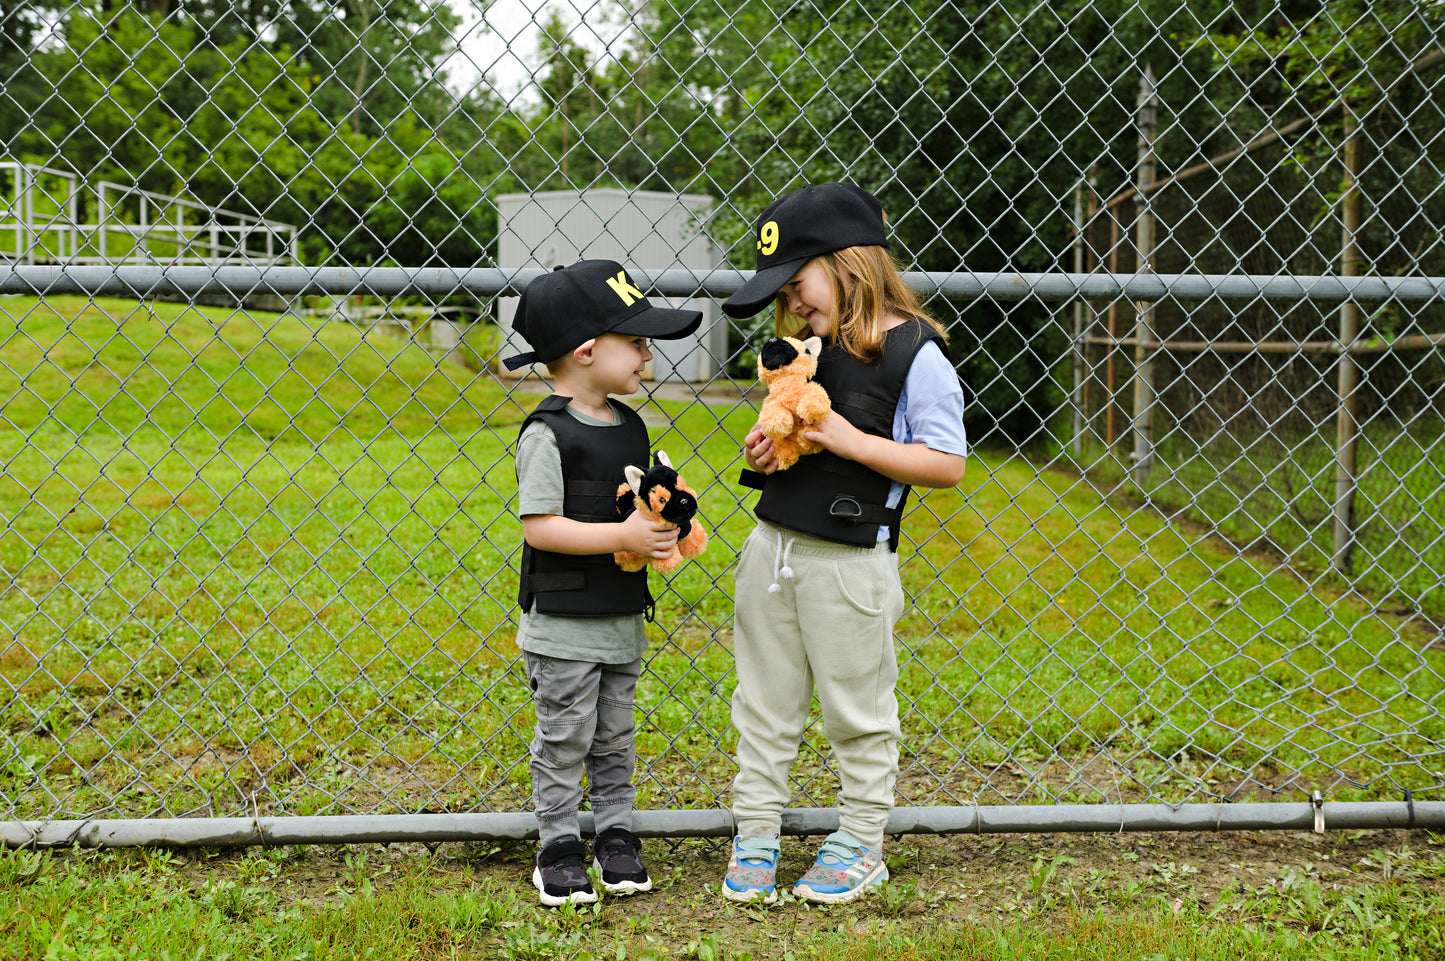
[844,870]
[753,871]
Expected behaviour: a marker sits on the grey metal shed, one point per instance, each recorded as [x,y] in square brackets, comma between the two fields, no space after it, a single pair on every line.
[645,229]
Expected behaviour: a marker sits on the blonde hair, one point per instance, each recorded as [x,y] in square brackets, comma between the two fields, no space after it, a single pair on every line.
[867,290]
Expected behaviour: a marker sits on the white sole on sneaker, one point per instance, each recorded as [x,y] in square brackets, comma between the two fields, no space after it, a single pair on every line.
[755,896]
[621,887]
[866,886]
[552,900]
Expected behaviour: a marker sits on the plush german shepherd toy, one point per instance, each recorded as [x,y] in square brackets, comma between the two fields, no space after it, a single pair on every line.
[795,402]
[663,497]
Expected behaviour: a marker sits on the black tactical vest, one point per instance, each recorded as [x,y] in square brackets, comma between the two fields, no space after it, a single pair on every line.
[831,497]
[593,461]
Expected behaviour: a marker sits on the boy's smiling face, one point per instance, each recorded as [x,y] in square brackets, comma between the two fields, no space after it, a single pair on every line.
[614,363]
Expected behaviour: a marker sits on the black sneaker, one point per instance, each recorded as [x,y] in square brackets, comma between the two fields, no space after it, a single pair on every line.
[619,860]
[561,875]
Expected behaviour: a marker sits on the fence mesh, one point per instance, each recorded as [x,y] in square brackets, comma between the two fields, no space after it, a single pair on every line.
[258,552]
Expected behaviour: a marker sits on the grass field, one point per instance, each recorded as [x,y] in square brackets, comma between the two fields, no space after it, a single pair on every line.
[1278,492]
[1356,895]
[251,564]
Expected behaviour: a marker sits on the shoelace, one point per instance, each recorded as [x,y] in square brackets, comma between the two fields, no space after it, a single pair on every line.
[780,564]
[757,849]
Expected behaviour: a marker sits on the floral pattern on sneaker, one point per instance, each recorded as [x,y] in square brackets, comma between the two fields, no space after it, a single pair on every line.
[753,871]
[844,870]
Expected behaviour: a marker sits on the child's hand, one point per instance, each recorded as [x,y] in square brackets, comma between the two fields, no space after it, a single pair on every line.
[647,538]
[758,452]
[836,434]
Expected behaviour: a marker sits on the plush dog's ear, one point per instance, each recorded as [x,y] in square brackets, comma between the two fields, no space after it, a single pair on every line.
[634,478]
[662,459]
[813,346]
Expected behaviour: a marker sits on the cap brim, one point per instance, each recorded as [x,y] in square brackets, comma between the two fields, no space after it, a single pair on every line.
[660,323]
[761,288]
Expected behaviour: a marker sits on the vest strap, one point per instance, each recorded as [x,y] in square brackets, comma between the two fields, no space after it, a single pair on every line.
[860,401]
[850,510]
[584,488]
[568,581]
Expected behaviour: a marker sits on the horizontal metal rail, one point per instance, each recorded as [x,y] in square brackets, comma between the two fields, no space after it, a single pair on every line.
[1367,345]
[148,281]
[985,819]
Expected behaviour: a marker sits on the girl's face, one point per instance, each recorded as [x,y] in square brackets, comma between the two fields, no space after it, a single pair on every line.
[809,297]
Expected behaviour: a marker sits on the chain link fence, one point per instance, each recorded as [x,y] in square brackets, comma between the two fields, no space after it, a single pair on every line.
[258,532]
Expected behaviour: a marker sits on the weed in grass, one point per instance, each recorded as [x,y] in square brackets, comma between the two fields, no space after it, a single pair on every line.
[572,916]
[1042,871]
[20,867]
[710,949]
[233,900]
[529,942]
[1168,873]
[893,898]
[1128,893]
[482,911]
[256,867]
[158,861]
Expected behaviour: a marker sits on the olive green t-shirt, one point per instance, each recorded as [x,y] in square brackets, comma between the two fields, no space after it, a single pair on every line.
[604,640]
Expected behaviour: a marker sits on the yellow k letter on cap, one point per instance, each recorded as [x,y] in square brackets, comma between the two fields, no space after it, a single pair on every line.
[623,288]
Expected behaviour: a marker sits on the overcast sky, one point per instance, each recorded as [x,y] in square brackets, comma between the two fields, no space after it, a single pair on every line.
[502,42]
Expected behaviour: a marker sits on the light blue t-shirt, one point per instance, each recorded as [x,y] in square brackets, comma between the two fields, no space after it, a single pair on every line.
[934,418]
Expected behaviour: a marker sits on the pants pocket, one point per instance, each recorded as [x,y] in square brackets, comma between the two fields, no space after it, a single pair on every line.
[861,586]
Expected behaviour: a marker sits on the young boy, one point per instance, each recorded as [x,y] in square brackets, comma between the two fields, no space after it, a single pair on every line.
[581,627]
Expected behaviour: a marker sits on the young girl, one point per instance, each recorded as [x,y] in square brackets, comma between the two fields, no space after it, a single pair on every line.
[817,581]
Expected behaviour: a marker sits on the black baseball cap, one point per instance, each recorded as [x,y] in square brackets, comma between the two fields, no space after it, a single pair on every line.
[816,219]
[571,305]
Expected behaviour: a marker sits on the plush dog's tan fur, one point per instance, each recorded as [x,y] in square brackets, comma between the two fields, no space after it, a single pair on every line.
[794,403]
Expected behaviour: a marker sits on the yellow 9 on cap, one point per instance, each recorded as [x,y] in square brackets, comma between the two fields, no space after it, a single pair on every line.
[768,238]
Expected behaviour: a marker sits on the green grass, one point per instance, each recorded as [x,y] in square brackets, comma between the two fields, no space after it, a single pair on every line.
[251,564]
[1278,492]
[473,902]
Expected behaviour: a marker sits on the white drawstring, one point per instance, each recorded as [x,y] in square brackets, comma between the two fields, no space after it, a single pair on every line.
[780,564]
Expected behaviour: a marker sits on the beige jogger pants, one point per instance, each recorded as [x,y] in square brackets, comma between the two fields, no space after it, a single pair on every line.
[830,624]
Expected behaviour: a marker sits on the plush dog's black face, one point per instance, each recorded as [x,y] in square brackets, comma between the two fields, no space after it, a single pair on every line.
[659,490]
[777,354]
[679,505]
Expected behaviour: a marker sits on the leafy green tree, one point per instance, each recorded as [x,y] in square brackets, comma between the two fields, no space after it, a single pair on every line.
[972,121]
[374,60]
[432,214]
[104,114]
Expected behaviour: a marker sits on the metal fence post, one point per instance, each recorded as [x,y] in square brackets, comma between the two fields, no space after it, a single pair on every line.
[1144,324]
[1347,426]
[1078,392]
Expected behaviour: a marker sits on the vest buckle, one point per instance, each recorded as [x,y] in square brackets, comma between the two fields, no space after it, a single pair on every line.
[846,508]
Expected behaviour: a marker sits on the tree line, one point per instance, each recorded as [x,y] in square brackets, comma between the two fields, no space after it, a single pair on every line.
[973,121]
